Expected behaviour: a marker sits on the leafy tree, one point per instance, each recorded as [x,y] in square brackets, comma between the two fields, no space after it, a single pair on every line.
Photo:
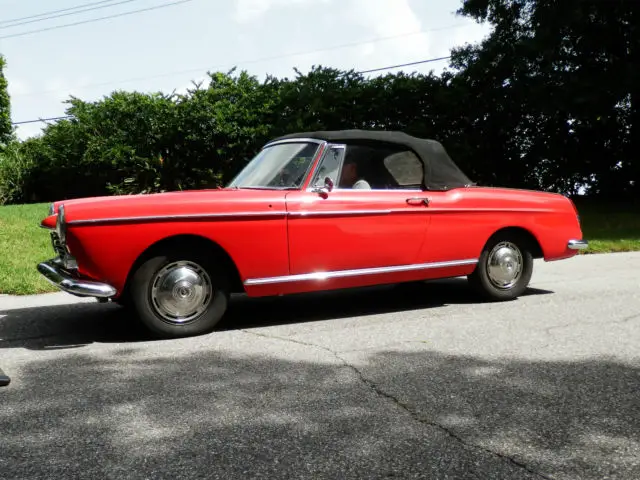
[554,93]
[6,129]
[550,100]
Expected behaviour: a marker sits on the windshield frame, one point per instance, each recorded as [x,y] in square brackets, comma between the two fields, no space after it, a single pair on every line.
[311,167]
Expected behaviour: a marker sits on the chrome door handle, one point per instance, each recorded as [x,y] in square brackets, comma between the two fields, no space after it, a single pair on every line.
[419,201]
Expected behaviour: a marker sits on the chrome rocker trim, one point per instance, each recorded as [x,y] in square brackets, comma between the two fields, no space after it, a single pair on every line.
[577,244]
[355,273]
[52,271]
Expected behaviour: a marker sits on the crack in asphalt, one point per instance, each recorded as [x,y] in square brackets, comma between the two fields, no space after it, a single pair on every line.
[629,318]
[406,408]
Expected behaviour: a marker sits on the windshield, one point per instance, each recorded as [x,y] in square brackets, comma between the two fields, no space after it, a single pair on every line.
[280,166]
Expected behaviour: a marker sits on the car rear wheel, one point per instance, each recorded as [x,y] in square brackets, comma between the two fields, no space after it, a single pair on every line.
[179,294]
[504,269]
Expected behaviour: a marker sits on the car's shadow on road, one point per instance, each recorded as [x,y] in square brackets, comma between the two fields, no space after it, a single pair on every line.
[77,325]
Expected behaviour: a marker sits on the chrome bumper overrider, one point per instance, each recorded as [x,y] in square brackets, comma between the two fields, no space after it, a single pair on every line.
[578,244]
[54,273]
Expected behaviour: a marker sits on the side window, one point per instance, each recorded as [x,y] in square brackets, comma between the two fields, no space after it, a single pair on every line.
[381,167]
[405,168]
[329,166]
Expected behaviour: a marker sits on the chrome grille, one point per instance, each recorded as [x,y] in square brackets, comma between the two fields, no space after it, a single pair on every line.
[57,245]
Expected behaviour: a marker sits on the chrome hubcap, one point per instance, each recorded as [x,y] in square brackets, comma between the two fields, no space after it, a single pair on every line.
[504,265]
[180,292]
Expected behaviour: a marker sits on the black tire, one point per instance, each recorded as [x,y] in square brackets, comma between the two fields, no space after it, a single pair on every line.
[486,285]
[149,307]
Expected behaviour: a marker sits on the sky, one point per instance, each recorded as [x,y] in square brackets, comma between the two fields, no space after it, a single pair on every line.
[166,48]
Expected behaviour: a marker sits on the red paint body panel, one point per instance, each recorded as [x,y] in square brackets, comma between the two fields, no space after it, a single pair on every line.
[193,202]
[246,224]
[337,233]
[281,233]
[463,219]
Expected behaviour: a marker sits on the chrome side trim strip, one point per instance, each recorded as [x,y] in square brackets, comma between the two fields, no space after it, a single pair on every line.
[343,213]
[577,244]
[305,213]
[299,213]
[356,273]
[163,218]
[422,209]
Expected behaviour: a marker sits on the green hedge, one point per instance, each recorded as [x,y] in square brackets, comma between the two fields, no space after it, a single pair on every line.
[542,102]
[133,142]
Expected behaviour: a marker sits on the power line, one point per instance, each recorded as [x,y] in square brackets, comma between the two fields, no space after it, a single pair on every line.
[66,117]
[258,60]
[430,60]
[44,19]
[51,12]
[30,32]
[406,64]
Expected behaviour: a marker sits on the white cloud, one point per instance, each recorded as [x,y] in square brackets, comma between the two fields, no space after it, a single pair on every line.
[367,49]
[18,88]
[29,130]
[388,18]
[251,10]
[61,88]
[472,33]
[183,89]
[248,10]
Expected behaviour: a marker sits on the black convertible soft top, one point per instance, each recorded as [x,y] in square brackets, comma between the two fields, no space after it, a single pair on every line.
[440,172]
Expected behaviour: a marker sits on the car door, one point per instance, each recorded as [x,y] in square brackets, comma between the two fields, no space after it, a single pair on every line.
[351,229]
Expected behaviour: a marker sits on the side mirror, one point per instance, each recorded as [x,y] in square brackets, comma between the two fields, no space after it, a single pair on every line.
[324,190]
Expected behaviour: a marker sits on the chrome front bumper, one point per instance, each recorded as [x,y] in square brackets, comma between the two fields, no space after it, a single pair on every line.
[578,244]
[52,270]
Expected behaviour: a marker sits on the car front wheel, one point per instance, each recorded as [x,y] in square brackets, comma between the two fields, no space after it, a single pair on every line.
[179,294]
[504,269]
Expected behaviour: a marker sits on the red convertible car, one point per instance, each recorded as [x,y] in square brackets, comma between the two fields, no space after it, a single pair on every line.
[312,211]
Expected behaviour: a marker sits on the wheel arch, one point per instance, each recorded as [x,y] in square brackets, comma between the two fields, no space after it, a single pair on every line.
[188,241]
[532,240]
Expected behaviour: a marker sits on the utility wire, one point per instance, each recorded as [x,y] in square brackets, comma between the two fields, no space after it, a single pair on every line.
[51,12]
[66,14]
[256,60]
[405,64]
[30,32]
[430,60]
[66,117]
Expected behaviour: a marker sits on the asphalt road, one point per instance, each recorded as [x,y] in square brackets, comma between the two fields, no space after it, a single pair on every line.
[414,381]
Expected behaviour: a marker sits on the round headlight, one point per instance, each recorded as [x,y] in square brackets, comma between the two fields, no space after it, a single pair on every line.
[61,226]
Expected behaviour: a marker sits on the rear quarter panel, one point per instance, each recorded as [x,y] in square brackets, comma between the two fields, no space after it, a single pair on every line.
[464,219]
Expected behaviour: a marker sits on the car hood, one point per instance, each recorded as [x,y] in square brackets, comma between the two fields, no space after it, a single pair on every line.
[194,202]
